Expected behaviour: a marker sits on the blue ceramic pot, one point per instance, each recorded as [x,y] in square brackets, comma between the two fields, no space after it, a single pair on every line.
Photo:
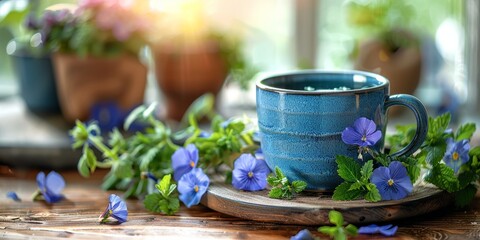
[37,82]
[301,116]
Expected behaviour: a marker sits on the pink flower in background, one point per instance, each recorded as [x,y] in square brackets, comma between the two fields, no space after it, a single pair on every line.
[116,16]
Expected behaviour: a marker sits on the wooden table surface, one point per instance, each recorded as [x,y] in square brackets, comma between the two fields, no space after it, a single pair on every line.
[76,217]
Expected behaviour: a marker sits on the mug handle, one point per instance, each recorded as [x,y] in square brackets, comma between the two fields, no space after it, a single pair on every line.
[421,116]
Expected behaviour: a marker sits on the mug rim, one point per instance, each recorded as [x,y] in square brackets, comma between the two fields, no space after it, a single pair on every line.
[260,79]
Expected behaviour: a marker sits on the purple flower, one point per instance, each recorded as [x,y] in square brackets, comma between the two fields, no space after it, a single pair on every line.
[13,196]
[387,230]
[184,160]
[249,173]
[192,186]
[456,154]
[363,133]
[393,182]
[51,186]
[116,208]
[303,235]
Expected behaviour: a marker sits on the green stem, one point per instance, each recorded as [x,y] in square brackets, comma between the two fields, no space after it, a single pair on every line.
[103,148]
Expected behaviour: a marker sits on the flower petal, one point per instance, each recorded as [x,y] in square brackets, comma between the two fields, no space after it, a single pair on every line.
[187,183]
[361,124]
[351,136]
[370,229]
[304,234]
[13,196]
[388,230]
[41,182]
[193,152]
[373,138]
[245,165]
[370,127]
[54,183]
[181,159]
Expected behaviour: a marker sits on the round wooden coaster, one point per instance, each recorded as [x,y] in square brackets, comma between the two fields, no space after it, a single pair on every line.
[311,208]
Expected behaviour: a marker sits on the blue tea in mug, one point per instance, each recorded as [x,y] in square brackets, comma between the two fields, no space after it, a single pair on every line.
[301,116]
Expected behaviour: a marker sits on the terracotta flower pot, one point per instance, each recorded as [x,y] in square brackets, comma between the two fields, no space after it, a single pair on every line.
[83,82]
[402,67]
[186,73]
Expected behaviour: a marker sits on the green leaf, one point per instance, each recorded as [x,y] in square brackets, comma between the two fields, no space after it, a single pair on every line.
[173,206]
[373,195]
[336,218]
[343,193]
[82,166]
[465,132]
[348,168]
[152,202]
[122,169]
[328,230]
[279,173]
[133,116]
[298,186]
[435,153]
[200,108]
[172,188]
[275,193]
[164,185]
[157,203]
[91,159]
[438,125]
[356,186]
[475,151]
[351,230]
[367,170]
[413,168]
[443,177]
[148,157]
[464,197]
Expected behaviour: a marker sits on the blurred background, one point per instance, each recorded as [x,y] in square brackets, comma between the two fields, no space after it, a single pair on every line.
[169,51]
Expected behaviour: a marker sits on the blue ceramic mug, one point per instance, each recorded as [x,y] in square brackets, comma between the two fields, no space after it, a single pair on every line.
[301,116]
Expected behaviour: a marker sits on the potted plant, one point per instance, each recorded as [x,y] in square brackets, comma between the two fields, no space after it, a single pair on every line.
[193,57]
[30,60]
[386,44]
[95,58]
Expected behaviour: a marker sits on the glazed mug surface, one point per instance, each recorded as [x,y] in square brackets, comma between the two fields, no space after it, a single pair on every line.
[301,116]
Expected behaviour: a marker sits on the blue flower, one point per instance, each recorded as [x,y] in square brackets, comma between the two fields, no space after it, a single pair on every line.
[51,186]
[249,173]
[303,235]
[393,182]
[13,196]
[192,186]
[108,115]
[116,208]
[387,230]
[363,133]
[456,154]
[184,160]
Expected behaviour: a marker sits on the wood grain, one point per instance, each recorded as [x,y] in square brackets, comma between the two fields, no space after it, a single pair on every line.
[312,208]
[76,217]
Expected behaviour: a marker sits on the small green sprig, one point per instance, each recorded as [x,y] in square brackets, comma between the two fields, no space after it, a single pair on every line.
[128,156]
[464,184]
[281,187]
[338,232]
[165,200]
[357,181]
